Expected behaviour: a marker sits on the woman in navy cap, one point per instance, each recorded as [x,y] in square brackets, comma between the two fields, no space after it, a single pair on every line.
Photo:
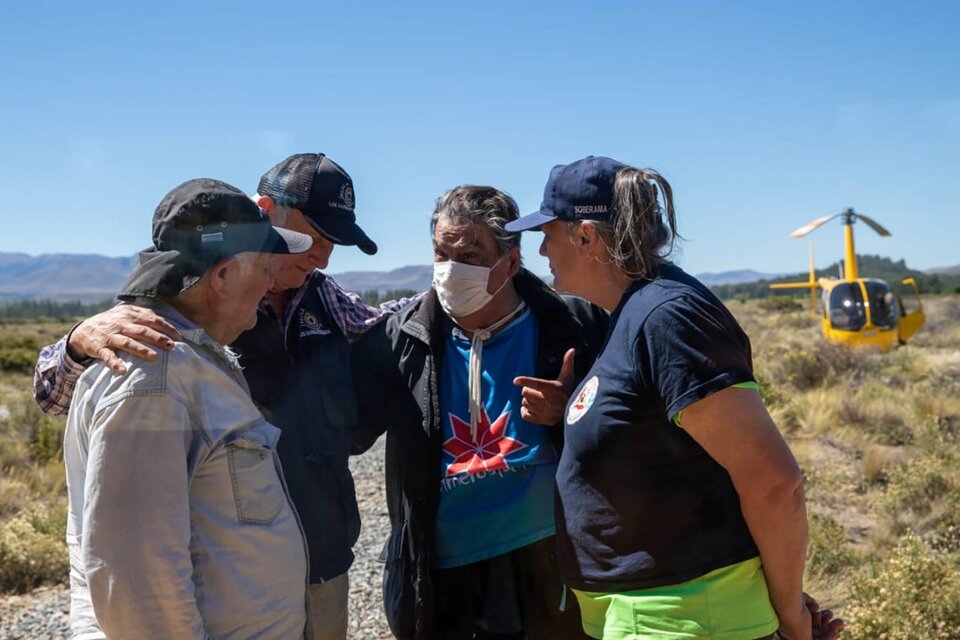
[680,507]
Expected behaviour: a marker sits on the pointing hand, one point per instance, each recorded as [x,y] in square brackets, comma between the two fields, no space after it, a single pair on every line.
[544,401]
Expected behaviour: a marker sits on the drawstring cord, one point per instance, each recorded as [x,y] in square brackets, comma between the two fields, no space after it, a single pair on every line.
[476,372]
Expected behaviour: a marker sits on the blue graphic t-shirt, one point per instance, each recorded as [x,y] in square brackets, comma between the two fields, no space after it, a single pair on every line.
[496,493]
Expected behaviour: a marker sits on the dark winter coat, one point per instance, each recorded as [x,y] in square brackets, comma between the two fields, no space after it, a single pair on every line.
[396,368]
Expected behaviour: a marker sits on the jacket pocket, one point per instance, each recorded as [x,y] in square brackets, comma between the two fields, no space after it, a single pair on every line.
[257,489]
[399,584]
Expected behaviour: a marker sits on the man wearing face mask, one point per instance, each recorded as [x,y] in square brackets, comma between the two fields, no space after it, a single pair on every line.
[471,456]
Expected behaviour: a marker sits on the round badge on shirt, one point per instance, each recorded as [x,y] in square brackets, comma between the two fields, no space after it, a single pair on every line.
[584,400]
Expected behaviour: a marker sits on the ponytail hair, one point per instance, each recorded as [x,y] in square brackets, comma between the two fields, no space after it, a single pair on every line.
[641,233]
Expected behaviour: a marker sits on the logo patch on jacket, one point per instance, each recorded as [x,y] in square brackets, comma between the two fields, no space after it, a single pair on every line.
[584,400]
[310,326]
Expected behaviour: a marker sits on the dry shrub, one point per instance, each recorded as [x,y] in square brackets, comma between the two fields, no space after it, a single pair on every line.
[808,366]
[948,427]
[850,411]
[13,496]
[801,369]
[882,413]
[889,429]
[923,497]
[30,438]
[914,592]
[814,411]
[936,403]
[32,549]
[828,551]
[916,485]
[44,434]
[780,304]
[878,460]
[941,328]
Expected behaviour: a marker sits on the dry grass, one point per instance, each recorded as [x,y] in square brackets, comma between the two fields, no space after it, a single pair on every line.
[877,437]
[32,478]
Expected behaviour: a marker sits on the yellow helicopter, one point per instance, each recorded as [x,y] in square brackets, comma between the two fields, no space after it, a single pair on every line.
[859,312]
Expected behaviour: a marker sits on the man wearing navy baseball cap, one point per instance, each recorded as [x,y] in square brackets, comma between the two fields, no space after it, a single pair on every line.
[322,191]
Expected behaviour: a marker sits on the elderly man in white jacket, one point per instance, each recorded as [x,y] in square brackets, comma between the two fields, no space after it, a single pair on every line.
[180,525]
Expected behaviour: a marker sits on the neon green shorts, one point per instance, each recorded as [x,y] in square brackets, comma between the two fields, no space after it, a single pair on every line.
[730,603]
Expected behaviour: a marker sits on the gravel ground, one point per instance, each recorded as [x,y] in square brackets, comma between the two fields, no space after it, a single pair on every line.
[44,613]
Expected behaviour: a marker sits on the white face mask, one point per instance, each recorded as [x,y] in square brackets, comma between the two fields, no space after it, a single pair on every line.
[462,288]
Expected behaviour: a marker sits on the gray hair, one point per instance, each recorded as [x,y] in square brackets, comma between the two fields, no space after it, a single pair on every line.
[642,233]
[486,206]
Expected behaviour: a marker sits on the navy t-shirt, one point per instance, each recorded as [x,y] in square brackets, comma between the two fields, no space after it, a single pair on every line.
[640,503]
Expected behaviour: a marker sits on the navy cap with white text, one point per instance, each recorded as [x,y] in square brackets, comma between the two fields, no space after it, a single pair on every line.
[581,190]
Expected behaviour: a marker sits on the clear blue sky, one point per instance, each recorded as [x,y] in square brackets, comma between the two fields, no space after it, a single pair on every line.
[762,115]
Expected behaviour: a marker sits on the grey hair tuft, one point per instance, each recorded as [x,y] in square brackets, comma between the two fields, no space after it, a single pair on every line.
[482,205]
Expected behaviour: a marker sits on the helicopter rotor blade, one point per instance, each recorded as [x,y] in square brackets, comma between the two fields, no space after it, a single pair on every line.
[873,224]
[807,228]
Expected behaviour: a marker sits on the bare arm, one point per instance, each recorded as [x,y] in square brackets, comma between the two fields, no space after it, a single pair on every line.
[123,328]
[733,426]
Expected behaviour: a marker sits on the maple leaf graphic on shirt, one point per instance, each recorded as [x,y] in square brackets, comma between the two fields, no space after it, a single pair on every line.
[487,453]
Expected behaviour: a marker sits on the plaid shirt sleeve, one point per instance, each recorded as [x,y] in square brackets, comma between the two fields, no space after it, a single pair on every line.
[351,313]
[55,378]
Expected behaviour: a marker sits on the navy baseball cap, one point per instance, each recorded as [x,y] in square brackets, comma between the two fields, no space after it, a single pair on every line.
[581,190]
[323,191]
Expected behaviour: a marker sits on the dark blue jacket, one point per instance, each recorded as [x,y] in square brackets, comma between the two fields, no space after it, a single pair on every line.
[301,382]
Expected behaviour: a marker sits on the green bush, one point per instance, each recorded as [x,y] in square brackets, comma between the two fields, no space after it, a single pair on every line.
[18,354]
[913,593]
[32,550]
[17,359]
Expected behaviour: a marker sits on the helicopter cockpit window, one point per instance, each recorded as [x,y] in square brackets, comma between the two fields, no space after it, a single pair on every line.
[846,307]
[884,311]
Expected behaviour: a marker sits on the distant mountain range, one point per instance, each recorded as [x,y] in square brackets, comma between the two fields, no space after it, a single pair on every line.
[892,271]
[61,277]
[735,277]
[415,278]
[948,271]
[92,278]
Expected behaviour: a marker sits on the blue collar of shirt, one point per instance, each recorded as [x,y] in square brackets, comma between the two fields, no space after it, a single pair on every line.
[458,335]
